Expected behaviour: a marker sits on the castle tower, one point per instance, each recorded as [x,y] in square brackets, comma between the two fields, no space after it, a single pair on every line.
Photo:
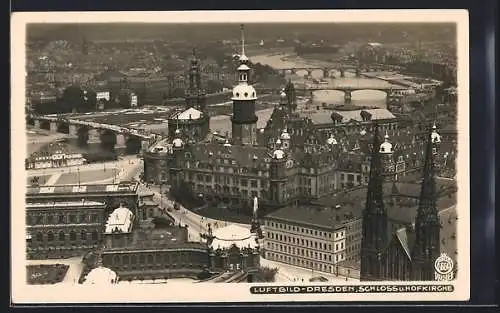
[375,238]
[285,139]
[175,159]
[244,120]
[195,95]
[427,224]
[277,176]
[291,96]
[387,159]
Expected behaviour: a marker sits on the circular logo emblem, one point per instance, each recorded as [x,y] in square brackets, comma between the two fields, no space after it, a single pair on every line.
[443,264]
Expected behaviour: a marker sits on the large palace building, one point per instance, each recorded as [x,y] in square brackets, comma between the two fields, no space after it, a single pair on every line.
[296,157]
[136,250]
[63,229]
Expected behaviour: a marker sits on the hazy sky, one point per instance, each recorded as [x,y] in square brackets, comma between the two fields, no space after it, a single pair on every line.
[193,31]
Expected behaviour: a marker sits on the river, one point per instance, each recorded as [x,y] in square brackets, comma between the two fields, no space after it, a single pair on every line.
[361,97]
[222,124]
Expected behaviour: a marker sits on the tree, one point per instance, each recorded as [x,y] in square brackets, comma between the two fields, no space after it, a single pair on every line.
[73,98]
[91,100]
[124,99]
[266,274]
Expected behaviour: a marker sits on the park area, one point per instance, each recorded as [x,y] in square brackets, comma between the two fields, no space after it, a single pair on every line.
[38,180]
[46,273]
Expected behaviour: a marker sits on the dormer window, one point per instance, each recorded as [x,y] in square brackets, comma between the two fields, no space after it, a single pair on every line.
[246,94]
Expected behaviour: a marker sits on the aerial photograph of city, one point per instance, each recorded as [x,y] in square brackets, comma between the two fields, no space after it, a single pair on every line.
[241,153]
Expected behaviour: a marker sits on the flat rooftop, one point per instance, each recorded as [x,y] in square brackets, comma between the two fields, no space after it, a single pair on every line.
[126,187]
[154,239]
[65,204]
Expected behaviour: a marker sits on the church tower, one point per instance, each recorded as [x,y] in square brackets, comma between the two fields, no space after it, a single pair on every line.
[427,224]
[277,176]
[387,159]
[375,238]
[244,120]
[175,160]
[195,95]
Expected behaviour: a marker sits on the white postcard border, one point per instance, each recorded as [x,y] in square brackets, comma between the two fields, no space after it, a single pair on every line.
[183,293]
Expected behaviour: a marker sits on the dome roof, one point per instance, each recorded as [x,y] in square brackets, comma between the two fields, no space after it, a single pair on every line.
[331,140]
[243,67]
[177,142]
[120,220]
[278,154]
[386,146]
[244,92]
[285,135]
[435,136]
[100,275]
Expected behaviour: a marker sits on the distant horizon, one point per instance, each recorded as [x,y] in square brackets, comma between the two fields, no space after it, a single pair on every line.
[106,31]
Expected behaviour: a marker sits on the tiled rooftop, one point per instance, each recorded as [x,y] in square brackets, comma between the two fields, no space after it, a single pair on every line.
[326,217]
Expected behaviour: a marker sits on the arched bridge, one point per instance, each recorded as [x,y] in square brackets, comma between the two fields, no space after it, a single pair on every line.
[347,89]
[342,68]
[120,137]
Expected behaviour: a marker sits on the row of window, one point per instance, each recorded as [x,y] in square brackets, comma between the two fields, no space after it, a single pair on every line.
[303,230]
[154,259]
[225,189]
[305,242]
[54,218]
[305,252]
[63,236]
[228,180]
[227,169]
[319,266]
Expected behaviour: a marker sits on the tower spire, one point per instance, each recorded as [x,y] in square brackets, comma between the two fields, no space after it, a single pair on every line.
[374,203]
[374,237]
[427,223]
[242,40]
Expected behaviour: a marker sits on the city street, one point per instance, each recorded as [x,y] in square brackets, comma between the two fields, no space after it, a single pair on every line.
[290,273]
[196,223]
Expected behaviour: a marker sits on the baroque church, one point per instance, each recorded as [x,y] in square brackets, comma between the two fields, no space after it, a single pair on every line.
[408,253]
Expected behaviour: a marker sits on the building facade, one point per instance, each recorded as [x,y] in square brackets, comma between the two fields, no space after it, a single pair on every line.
[139,251]
[37,161]
[316,238]
[63,229]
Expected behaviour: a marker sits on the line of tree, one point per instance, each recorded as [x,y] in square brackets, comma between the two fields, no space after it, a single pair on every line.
[74,99]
